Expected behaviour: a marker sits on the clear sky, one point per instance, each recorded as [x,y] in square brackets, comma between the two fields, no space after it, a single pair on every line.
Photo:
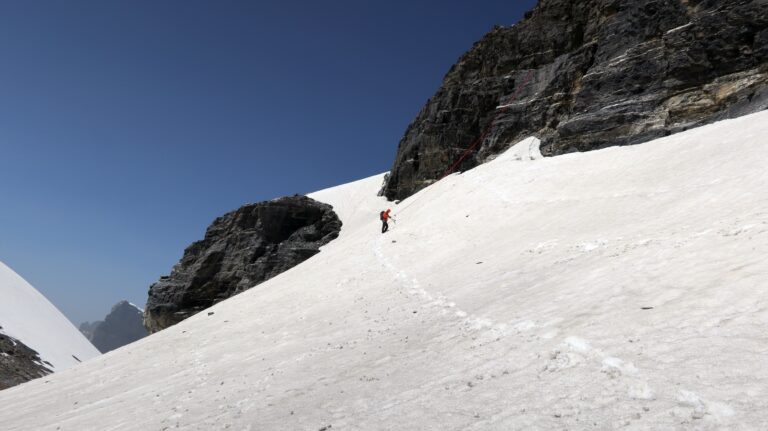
[126,127]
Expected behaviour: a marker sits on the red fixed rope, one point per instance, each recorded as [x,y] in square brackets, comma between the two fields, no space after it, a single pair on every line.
[488,128]
[485,133]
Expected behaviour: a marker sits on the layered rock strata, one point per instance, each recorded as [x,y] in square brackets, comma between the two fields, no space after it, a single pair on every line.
[585,75]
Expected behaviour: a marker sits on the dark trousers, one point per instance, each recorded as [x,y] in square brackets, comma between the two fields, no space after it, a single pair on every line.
[384,226]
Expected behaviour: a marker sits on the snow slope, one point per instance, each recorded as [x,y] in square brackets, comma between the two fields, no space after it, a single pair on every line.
[616,289]
[26,315]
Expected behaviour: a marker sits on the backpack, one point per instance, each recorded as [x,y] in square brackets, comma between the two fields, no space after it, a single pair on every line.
[381,216]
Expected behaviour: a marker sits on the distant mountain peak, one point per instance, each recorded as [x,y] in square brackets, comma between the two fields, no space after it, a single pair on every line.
[123,325]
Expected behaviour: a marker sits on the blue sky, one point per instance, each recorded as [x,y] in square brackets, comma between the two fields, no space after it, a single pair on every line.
[126,127]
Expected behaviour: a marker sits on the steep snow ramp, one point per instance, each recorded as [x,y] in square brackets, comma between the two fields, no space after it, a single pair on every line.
[26,315]
[527,149]
[616,289]
[355,205]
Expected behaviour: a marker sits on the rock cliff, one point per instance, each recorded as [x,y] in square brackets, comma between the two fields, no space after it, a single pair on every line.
[240,250]
[584,75]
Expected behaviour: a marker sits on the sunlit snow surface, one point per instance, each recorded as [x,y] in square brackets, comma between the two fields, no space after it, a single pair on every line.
[27,316]
[616,289]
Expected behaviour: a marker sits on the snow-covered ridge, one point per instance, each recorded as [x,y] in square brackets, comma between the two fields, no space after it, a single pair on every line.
[616,289]
[29,317]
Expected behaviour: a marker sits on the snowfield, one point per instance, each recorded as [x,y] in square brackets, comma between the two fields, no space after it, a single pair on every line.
[27,316]
[616,289]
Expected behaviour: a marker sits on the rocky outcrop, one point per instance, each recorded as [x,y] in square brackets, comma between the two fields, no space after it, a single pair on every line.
[19,363]
[122,326]
[240,250]
[584,75]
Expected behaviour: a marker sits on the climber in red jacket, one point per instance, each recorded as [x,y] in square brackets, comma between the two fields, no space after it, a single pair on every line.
[384,217]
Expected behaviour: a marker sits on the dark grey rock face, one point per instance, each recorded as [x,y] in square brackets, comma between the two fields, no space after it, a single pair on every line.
[87,328]
[123,325]
[591,74]
[240,250]
[19,363]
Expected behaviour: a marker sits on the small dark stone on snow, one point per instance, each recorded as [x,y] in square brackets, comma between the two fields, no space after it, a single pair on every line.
[210,313]
[478,263]
[646,308]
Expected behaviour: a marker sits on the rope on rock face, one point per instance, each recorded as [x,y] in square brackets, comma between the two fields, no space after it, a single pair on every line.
[504,108]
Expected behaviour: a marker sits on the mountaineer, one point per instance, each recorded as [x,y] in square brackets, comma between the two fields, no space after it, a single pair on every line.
[384,217]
